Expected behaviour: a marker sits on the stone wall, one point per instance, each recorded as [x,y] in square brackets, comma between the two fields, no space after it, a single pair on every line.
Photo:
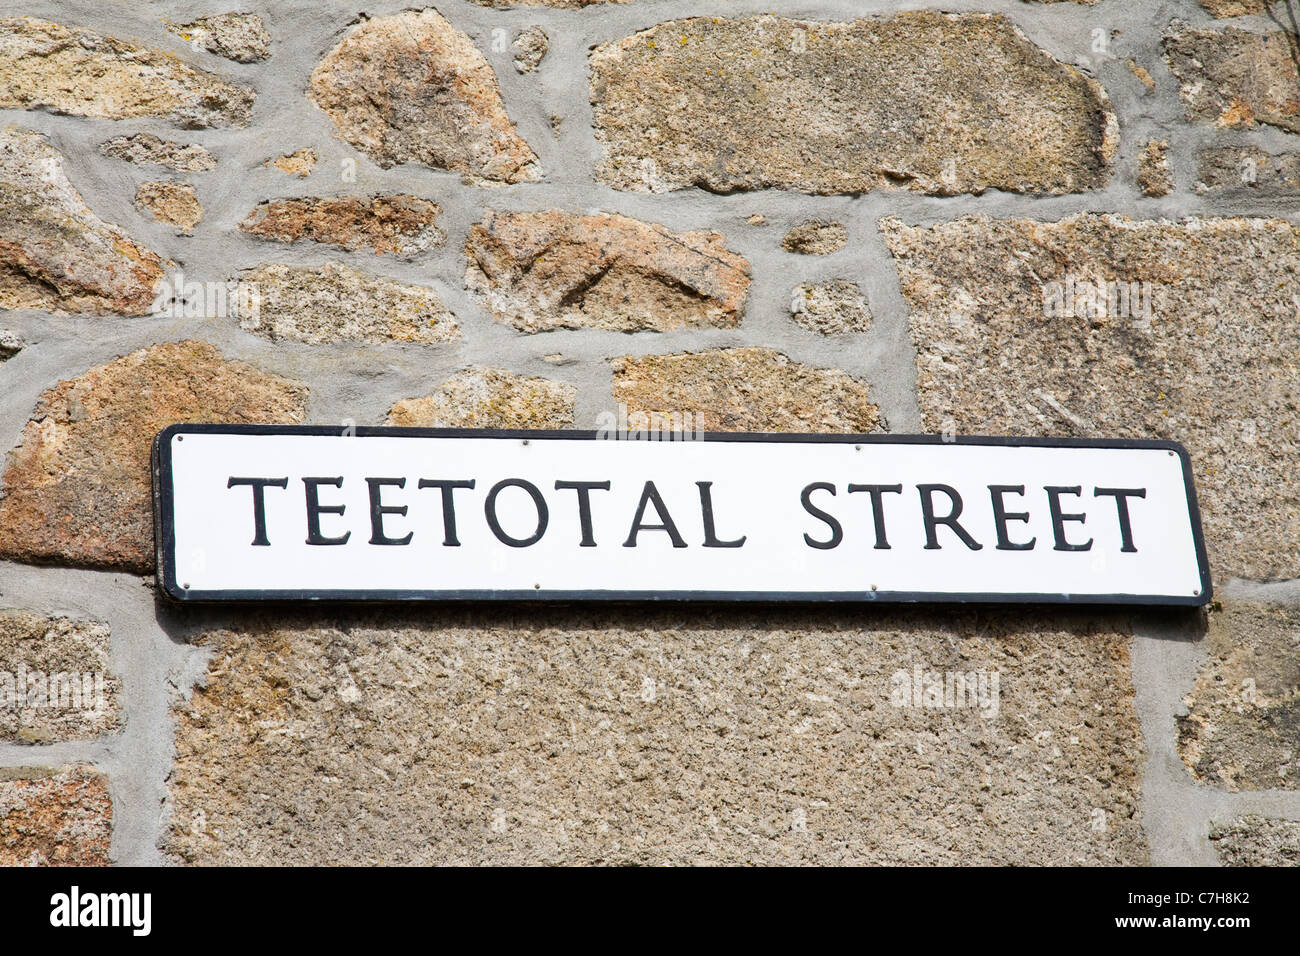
[831,215]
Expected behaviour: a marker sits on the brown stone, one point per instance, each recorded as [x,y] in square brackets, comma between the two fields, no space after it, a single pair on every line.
[299,163]
[830,308]
[11,343]
[400,224]
[1236,78]
[1253,840]
[479,397]
[55,253]
[412,88]
[1242,728]
[1235,8]
[78,488]
[75,71]
[546,270]
[55,817]
[1247,168]
[746,389]
[657,736]
[530,47]
[171,202]
[942,104]
[1140,71]
[241,37]
[1154,177]
[816,237]
[146,149]
[1212,364]
[333,303]
[54,679]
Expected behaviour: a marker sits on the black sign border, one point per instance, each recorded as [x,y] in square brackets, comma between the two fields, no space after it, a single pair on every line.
[165,536]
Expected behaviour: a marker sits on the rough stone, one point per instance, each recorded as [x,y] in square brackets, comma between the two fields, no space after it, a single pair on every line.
[171,202]
[1247,168]
[942,104]
[830,307]
[1235,78]
[746,389]
[1141,72]
[55,817]
[11,343]
[530,47]
[412,88]
[1154,177]
[816,237]
[546,270]
[70,70]
[55,253]
[479,397]
[1242,727]
[241,37]
[334,303]
[1235,8]
[1211,363]
[78,488]
[569,736]
[54,679]
[146,149]
[400,224]
[1254,841]
[299,163]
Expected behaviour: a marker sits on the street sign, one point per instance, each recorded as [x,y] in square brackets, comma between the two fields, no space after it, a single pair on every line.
[298,513]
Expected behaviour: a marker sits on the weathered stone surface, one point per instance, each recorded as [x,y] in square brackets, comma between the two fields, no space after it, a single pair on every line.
[171,202]
[241,37]
[55,817]
[1213,363]
[942,104]
[746,389]
[1235,8]
[146,149]
[479,397]
[412,88]
[816,237]
[333,303]
[1254,841]
[1154,177]
[11,343]
[54,679]
[530,47]
[54,252]
[1235,78]
[657,736]
[70,70]
[830,307]
[546,270]
[1242,728]
[299,163]
[1140,71]
[78,488]
[1247,167]
[400,224]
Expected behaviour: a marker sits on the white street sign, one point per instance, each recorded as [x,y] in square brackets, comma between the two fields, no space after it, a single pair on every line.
[306,513]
